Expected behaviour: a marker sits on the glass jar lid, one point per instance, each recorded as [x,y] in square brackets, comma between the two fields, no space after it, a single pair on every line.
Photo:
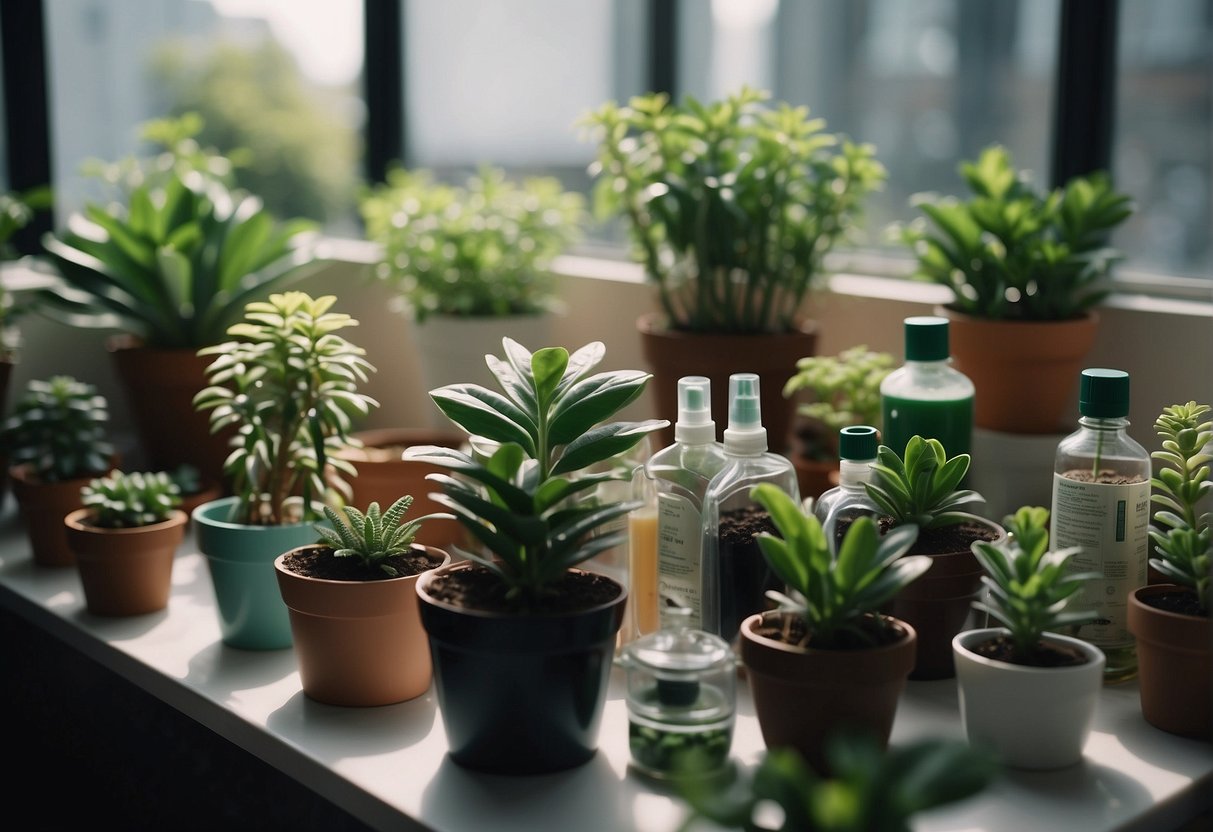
[678,649]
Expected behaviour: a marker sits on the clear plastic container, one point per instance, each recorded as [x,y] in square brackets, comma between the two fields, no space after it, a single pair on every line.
[736,573]
[681,700]
[1101,503]
[838,507]
[926,396]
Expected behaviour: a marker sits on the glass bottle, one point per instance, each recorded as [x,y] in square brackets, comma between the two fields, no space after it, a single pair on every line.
[736,573]
[1101,503]
[679,475]
[841,505]
[681,700]
[926,396]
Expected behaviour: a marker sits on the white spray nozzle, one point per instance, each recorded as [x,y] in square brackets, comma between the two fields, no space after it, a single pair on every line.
[695,425]
[745,433]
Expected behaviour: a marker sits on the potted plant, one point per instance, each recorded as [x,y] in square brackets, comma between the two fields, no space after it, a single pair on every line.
[732,206]
[125,539]
[522,640]
[16,212]
[868,789]
[923,490]
[290,385]
[193,490]
[1026,691]
[353,607]
[471,262]
[825,659]
[1026,270]
[172,269]
[55,440]
[1171,621]
[845,391]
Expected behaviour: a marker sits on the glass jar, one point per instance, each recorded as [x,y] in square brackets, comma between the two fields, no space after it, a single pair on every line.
[681,697]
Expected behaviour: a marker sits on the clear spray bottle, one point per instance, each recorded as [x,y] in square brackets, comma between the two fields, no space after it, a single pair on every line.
[837,508]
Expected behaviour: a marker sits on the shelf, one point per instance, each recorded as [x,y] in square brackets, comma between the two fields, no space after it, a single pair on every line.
[388,766]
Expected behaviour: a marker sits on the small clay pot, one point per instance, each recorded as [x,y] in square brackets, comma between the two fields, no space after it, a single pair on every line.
[1174,668]
[44,505]
[125,571]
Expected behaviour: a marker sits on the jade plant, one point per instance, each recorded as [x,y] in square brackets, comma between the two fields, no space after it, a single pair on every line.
[58,428]
[732,204]
[290,384]
[845,390]
[122,501]
[835,599]
[923,489]
[480,250]
[1009,252]
[1029,586]
[1184,537]
[373,537]
[519,499]
[867,790]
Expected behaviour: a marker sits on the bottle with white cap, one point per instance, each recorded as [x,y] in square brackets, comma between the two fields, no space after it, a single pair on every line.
[679,476]
[837,508]
[736,573]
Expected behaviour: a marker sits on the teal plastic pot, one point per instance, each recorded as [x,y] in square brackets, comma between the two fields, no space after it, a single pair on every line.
[241,558]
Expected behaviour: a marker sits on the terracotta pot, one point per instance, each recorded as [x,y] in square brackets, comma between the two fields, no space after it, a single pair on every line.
[1025,372]
[160,388]
[383,477]
[359,643]
[1032,717]
[672,354]
[520,694]
[125,571]
[803,695]
[1174,668]
[938,605]
[43,506]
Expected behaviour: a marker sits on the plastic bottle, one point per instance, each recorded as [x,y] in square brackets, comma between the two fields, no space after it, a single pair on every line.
[1101,502]
[849,500]
[679,477]
[926,396]
[733,562]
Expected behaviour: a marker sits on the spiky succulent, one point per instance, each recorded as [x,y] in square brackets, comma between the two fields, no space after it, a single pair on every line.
[373,537]
[834,596]
[122,501]
[923,489]
[1185,547]
[1029,585]
[58,427]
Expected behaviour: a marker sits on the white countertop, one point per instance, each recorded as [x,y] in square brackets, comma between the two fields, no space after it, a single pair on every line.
[388,766]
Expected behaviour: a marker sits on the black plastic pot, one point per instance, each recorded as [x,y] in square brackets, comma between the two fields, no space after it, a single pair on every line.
[520,694]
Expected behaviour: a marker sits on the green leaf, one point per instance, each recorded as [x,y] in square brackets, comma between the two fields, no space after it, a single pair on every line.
[602,443]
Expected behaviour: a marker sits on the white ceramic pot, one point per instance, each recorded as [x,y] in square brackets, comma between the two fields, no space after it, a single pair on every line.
[1033,717]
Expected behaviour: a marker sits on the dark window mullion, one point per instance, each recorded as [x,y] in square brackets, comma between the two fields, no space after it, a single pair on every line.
[663,47]
[1085,96]
[383,85]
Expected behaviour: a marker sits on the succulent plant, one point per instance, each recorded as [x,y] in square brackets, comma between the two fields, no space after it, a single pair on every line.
[58,427]
[1185,548]
[543,432]
[289,383]
[1011,253]
[374,536]
[1028,585]
[923,489]
[835,597]
[121,500]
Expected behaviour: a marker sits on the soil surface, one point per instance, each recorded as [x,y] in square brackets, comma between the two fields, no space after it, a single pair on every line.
[1043,655]
[744,574]
[790,629]
[320,562]
[477,588]
[1105,476]
[948,540]
[1181,602]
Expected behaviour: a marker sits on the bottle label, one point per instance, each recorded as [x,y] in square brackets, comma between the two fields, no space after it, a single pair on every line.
[679,557]
[1109,522]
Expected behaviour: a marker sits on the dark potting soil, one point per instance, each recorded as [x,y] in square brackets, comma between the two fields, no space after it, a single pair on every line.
[948,540]
[320,562]
[1002,649]
[1181,603]
[744,574]
[1105,476]
[477,588]
[790,629]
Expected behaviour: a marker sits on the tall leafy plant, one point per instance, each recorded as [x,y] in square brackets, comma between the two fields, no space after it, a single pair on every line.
[546,427]
[1183,538]
[732,204]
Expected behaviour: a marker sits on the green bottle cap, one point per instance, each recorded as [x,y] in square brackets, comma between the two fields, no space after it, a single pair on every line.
[857,442]
[926,338]
[1103,394]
